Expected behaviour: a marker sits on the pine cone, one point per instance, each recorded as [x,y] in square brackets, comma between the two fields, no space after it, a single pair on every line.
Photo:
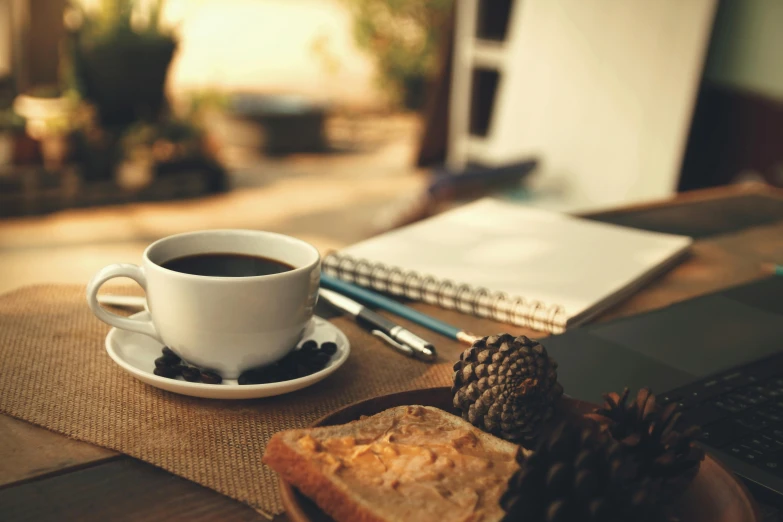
[576,474]
[506,386]
[646,432]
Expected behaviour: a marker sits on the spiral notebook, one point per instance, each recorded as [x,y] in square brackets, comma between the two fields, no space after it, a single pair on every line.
[511,263]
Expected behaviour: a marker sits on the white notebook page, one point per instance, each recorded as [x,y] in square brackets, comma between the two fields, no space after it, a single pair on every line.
[534,254]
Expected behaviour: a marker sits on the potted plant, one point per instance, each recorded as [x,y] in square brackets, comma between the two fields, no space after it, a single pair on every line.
[11,131]
[403,37]
[120,56]
[168,147]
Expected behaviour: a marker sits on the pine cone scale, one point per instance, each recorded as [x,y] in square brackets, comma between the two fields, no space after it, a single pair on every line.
[576,474]
[506,386]
[647,434]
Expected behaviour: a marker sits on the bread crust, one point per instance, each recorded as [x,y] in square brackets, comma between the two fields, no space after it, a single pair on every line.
[300,471]
[331,496]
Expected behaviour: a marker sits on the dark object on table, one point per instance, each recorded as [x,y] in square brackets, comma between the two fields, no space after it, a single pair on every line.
[715,495]
[476,179]
[577,473]
[471,183]
[170,365]
[308,359]
[191,374]
[718,356]
[169,355]
[209,377]
[700,219]
[647,433]
[507,387]
[169,372]
[329,348]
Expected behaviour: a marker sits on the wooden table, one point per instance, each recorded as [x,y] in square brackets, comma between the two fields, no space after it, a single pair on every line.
[46,476]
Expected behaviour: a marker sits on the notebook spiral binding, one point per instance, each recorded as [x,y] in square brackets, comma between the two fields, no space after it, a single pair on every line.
[479,302]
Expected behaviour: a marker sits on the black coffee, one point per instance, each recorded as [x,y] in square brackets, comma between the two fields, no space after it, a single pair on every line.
[226,265]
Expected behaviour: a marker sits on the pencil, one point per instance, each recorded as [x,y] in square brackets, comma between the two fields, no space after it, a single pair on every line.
[374,299]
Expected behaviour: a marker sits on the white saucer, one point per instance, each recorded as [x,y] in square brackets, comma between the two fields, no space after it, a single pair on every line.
[136,354]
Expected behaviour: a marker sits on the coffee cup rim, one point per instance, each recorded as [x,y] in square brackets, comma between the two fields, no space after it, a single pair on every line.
[296,270]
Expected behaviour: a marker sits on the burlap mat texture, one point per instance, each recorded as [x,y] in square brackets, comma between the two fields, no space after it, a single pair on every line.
[57,374]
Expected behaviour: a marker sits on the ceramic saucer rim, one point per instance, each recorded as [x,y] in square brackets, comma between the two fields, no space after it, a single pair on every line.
[299,383]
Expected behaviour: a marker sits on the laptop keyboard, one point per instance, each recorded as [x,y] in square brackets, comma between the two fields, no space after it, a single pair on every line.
[740,412]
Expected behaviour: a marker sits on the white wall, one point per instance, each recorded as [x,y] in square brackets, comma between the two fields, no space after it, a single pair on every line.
[601,91]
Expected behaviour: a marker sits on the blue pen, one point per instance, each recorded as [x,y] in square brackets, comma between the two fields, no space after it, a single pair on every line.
[371,298]
[401,339]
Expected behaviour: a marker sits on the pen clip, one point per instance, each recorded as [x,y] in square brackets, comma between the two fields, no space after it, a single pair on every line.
[407,350]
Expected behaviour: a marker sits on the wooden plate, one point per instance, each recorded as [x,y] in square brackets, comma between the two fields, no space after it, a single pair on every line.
[714,496]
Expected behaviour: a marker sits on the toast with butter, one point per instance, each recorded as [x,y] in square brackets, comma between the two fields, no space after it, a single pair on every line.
[405,464]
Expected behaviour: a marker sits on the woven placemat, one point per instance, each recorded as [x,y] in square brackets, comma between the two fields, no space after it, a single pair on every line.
[56,374]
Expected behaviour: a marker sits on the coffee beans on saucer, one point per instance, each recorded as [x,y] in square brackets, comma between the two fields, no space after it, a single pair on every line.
[208,377]
[170,372]
[169,356]
[307,360]
[329,348]
[169,365]
[191,374]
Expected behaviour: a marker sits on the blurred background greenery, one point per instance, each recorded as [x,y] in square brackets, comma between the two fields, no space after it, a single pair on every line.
[403,38]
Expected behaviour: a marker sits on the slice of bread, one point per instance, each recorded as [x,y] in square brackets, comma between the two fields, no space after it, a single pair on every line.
[405,464]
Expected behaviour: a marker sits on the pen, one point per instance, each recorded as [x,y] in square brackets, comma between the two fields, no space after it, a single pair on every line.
[393,334]
[390,305]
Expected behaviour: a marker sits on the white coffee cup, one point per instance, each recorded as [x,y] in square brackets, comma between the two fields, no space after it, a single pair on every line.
[226,324]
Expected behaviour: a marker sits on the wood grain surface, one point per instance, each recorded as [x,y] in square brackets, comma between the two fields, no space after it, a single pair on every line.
[27,452]
[34,461]
[123,490]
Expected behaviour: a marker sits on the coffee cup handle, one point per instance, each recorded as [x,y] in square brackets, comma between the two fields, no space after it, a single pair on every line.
[110,272]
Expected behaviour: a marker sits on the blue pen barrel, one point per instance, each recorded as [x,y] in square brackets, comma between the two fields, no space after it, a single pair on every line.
[375,300]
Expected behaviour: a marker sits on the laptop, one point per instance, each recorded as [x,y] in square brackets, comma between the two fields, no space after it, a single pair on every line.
[720,356]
